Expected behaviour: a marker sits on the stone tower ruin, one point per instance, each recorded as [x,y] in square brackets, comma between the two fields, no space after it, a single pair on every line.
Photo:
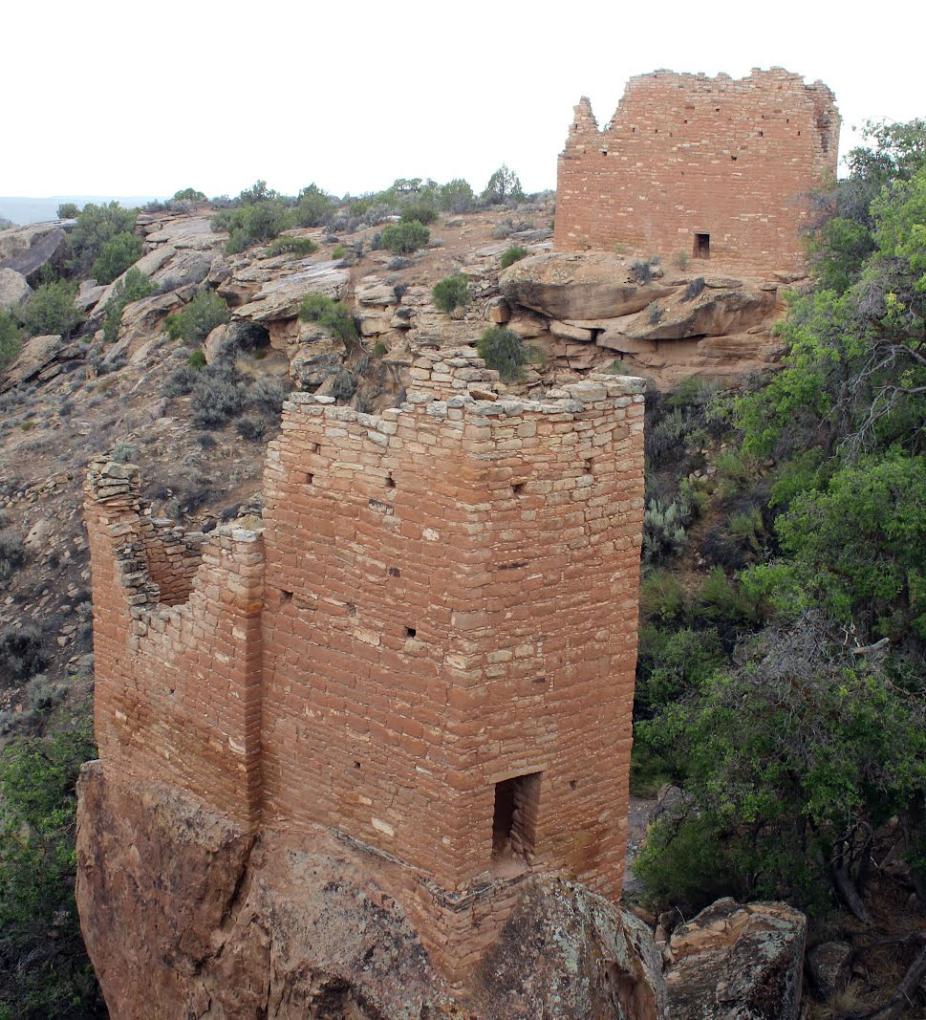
[425,646]
[710,168]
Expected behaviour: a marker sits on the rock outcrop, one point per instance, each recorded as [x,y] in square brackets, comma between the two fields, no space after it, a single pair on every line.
[738,962]
[27,249]
[184,914]
[13,288]
[586,309]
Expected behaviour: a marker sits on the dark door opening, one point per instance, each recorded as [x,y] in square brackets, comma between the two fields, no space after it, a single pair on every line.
[702,246]
[514,822]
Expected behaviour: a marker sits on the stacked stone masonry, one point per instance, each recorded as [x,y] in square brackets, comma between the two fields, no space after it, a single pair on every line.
[427,645]
[708,167]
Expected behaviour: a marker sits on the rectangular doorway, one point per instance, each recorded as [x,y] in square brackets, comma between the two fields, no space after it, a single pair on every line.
[702,246]
[514,822]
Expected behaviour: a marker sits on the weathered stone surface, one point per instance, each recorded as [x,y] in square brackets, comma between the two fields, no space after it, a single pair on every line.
[89,293]
[280,298]
[181,907]
[738,962]
[711,313]
[577,286]
[375,292]
[36,353]
[829,964]
[566,331]
[27,249]
[13,288]
[183,269]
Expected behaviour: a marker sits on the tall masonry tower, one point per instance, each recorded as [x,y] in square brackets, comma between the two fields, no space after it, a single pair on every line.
[427,644]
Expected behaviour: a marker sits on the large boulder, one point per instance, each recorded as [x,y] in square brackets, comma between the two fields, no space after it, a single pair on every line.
[592,285]
[280,297]
[13,288]
[27,249]
[38,352]
[711,312]
[738,962]
[181,908]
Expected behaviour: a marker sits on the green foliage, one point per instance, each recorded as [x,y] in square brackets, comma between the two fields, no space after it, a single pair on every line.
[117,254]
[404,238]
[338,251]
[451,292]
[44,970]
[793,751]
[189,195]
[420,212]
[292,246]
[197,359]
[95,226]
[259,218]
[196,320]
[133,287]
[503,186]
[313,207]
[664,529]
[68,211]
[860,545]
[503,350]
[784,758]
[511,255]
[10,338]
[456,196]
[333,316]
[51,310]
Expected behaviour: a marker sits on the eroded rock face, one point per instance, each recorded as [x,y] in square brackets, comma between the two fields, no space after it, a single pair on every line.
[738,962]
[13,288]
[27,249]
[577,286]
[181,908]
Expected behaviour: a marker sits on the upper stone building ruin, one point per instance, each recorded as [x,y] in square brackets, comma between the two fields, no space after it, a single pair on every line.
[426,645]
[711,168]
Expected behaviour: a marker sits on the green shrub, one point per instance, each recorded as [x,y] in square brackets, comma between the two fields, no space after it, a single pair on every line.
[641,272]
[456,196]
[22,654]
[662,596]
[338,251]
[333,316]
[664,527]
[252,223]
[292,246]
[10,338]
[44,970]
[313,207]
[51,310]
[68,211]
[189,195]
[380,350]
[117,254]
[218,394]
[419,212]
[503,350]
[133,287]
[513,254]
[503,186]
[96,225]
[197,359]
[196,320]
[251,427]
[404,238]
[451,292]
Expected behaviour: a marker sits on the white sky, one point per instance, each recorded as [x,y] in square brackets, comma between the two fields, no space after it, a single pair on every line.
[134,98]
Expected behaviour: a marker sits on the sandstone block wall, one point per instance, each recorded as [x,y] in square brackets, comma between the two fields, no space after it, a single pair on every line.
[428,645]
[686,155]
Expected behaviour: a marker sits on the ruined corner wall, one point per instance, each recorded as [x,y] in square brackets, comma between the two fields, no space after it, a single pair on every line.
[686,154]
[176,648]
[452,602]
